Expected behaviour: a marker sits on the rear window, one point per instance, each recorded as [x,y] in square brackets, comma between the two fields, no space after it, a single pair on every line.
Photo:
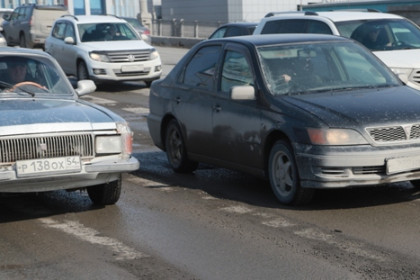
[295,26]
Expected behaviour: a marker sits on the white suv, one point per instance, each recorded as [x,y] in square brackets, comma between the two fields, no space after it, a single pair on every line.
[392,38]
[102,48]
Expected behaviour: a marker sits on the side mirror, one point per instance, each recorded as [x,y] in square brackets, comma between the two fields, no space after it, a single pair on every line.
[243,93]
[69,40]
[6,17]
[85,87]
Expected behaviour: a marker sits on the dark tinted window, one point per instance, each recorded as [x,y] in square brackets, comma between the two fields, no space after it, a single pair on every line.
[236,31]
[201,69]
[295,26]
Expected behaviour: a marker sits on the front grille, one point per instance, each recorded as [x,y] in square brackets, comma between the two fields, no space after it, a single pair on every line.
[129,56]
[416,77]
[365,170]
[398,133]
[12,150]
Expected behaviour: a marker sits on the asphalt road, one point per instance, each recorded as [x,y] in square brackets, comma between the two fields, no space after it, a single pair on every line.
[214,224]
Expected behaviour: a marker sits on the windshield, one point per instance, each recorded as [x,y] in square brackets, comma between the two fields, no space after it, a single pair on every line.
[384,34]
[31,76]
[308,68]
[98,32]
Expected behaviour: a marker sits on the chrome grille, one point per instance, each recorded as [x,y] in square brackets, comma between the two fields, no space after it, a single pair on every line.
[387,134]
[12,150]
[129,56]
[416,77]
[415,132]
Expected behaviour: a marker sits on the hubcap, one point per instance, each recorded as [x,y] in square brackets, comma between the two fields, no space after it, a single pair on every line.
[283,173]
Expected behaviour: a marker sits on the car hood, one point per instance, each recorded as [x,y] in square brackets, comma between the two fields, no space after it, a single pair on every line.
[117,45]
[25,116]
[364,108]
[400,58]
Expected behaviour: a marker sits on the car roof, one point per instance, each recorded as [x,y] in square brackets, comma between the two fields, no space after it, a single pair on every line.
[94,19]
[22,51]
[245,24]
[274,39]
[335,16]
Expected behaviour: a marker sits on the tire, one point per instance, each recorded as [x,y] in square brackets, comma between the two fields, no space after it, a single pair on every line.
[82,72]
[22,41]
[176,151]
[105,194]
[284,177]
[416,184]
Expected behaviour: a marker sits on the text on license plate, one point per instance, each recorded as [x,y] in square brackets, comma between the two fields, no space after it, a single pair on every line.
[48,165]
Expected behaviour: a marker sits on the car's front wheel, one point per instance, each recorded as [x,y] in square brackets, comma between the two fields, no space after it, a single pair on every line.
[105,194]
[82,72]
[284,177]
[176,151]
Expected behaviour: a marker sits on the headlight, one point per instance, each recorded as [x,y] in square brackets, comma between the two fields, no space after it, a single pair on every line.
[335,137]
[403,73]
[116,144]
[99,57]
[154,55]
[108,144]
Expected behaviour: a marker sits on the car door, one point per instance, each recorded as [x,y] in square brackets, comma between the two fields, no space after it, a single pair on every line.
[59,49]
[193,98]
[10,27]
[236,123]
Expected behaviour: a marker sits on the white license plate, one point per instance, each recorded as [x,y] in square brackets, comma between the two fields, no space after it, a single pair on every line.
[397,165]
[48,166]
[132,68]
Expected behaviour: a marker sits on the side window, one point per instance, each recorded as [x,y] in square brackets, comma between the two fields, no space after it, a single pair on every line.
[220,33]
[235,31]
[69,31]
[58,31]
[236,71]
[201,69]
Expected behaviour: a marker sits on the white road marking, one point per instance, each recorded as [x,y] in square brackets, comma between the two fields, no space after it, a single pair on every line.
[76,229]
[237,209]
[278,223]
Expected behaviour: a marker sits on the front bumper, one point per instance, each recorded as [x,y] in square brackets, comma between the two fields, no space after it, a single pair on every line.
[91,174]
[339,167]
[135,71]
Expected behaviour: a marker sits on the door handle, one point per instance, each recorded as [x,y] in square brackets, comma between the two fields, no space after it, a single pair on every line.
[178,100]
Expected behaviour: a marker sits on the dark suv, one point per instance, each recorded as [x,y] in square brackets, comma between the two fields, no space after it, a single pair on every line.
[30,24]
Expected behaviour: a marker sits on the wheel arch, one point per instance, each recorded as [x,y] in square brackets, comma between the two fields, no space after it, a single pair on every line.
[271,139]
[164,124]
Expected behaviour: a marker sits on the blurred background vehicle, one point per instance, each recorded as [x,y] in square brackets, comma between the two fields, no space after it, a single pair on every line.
[28,25]
[103,49]
[234,29]
[4,12]
[143,31]
[392,38]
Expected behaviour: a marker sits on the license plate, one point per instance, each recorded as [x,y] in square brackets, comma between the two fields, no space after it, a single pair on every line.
[132,68]
[397,165]
[48,166]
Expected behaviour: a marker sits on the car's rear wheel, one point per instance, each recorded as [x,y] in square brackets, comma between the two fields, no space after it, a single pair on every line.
[82,72]
[284,177]
[105,194]
[22,41]
[176,151]
[416,183]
